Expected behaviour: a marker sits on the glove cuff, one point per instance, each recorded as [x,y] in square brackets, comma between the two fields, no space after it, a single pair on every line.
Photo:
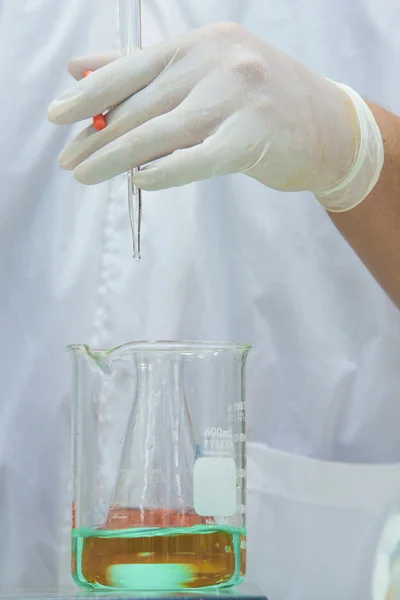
[367,166]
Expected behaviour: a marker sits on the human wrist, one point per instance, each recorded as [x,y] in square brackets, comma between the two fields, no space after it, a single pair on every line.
[366,167]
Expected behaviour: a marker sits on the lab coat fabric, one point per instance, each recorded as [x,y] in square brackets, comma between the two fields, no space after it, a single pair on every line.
[225,259]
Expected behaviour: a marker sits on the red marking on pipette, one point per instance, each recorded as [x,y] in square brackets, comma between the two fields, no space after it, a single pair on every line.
[99,121]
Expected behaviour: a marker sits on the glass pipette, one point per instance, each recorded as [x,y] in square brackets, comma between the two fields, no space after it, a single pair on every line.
[130,25]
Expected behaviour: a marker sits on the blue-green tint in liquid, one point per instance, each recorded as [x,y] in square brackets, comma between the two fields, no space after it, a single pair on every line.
[151,558]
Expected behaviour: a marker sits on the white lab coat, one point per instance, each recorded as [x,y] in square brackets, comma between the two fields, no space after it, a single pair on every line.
[226,260]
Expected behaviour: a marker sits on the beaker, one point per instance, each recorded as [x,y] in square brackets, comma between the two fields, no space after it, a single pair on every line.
[159,463]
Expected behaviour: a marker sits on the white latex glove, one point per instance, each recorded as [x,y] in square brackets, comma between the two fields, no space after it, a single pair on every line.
[216,101]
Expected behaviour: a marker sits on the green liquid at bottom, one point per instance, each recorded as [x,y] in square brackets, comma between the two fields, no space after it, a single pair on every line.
[152,558]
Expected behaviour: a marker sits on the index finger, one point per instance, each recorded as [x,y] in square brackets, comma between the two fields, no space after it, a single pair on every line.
[110,85]
[92,62]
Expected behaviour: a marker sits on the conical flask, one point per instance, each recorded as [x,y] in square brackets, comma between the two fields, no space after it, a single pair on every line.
[154,486]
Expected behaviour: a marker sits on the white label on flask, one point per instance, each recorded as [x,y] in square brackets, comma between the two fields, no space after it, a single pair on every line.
[214,482]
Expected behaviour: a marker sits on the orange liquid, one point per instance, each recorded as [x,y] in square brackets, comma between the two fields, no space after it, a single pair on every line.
[201,556]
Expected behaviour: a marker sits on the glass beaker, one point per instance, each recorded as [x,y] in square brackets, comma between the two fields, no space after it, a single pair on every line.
[159,462]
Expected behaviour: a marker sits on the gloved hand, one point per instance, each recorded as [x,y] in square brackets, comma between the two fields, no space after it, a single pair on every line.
[216,101]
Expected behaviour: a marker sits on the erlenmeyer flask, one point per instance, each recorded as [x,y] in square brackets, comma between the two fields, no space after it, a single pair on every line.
[154,485]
